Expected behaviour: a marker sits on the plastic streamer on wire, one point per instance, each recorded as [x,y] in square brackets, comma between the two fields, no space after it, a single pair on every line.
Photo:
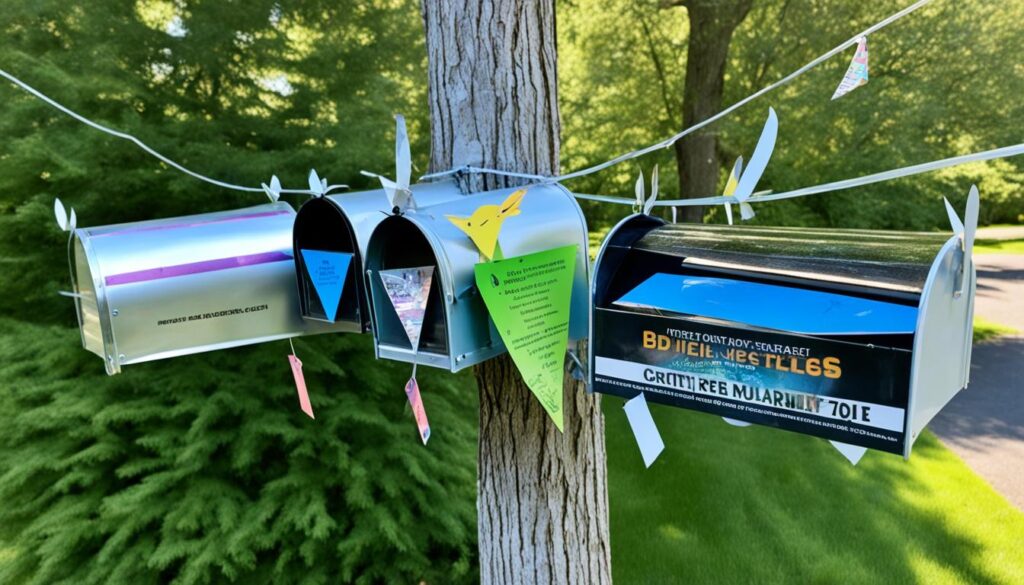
[1004,152]
[852,41]
[317,187]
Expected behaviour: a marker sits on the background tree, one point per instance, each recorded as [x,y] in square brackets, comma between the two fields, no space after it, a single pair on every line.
[941,81]
[712,23]
[542,503]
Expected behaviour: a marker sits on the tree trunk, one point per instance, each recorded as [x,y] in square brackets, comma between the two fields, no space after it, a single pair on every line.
[542,499]
[712,23]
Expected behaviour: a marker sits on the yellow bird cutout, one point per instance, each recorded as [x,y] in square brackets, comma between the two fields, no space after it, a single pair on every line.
[484,225]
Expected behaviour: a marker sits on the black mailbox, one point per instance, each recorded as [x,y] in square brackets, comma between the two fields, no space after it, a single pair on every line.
[852,335]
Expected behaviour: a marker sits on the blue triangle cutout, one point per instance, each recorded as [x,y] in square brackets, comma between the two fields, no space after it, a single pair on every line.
[327,271]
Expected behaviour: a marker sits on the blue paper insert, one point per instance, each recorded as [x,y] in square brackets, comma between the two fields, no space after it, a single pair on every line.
[771,306]
[327,272]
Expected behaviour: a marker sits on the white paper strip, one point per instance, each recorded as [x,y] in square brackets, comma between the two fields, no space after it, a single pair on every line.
[852,453]
[646,432]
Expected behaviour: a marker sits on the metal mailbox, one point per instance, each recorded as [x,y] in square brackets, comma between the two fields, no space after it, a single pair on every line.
[343,223]
[457,331]
[857,336]
[158,289]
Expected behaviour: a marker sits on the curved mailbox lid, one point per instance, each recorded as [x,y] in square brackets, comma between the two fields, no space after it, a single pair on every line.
[366,209]
[183,241]
[894,261]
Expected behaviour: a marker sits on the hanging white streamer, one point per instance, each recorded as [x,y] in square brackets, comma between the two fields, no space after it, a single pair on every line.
[669,142]
[1004,152]
[125,136]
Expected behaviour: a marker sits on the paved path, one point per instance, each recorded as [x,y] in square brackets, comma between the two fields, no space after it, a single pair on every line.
[1006,232]
[1000,294]
[984,424]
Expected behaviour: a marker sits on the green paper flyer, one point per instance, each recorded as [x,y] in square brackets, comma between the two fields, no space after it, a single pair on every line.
[528,298]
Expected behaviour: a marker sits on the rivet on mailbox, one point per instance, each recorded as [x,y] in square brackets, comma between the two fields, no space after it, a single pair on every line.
[856,336]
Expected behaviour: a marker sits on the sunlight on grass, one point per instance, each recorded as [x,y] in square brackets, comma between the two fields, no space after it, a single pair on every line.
[985,330]
[999,247]
[758,505]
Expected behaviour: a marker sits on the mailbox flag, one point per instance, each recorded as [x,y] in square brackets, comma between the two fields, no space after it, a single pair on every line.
[327,271]
[528,298]
[409,289]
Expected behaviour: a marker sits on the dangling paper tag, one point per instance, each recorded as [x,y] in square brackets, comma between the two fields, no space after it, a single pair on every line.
[528,299]
[412,392]
[853,453]
[327,271]
[857,72]
[646,432]
[484,224]
[409,289]
[300,385]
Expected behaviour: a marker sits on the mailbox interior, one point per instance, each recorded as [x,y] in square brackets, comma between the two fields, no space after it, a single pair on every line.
[322,225]
[399,243]
[892,267]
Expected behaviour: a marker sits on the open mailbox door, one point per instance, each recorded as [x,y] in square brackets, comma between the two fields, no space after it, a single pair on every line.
[338,228]
[457,329]
[856,336]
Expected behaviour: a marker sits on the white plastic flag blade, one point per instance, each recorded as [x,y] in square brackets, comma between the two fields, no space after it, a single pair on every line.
[403,157]
[954,219]
[757,164]
[61,215]
[646,432]
[857,72]
[852,453]
[736,423]
[971,220]
[408,289]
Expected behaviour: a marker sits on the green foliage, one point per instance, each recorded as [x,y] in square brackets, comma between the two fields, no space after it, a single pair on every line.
[944,82]
[999,247]
[202,469]
[985,330]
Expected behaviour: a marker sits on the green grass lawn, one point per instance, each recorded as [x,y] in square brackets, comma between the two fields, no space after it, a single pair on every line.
[985,330]
[758,505]
[999,247]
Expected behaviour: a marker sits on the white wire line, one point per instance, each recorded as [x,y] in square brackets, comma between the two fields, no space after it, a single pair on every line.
[1004,152]
[125,136]
[670,141]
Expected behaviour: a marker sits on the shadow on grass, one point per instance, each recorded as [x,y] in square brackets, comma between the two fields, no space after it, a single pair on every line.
[758,505]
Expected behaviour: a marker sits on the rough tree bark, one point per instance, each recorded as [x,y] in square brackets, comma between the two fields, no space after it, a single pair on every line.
[542,495]
[712,23]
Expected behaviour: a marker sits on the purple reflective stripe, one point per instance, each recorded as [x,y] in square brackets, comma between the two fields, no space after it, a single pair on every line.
[175,226]
[196,268]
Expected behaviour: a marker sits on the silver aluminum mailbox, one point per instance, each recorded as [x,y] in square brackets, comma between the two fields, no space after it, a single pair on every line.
[856,336]
[343,223]
[457,330]
[158,289]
